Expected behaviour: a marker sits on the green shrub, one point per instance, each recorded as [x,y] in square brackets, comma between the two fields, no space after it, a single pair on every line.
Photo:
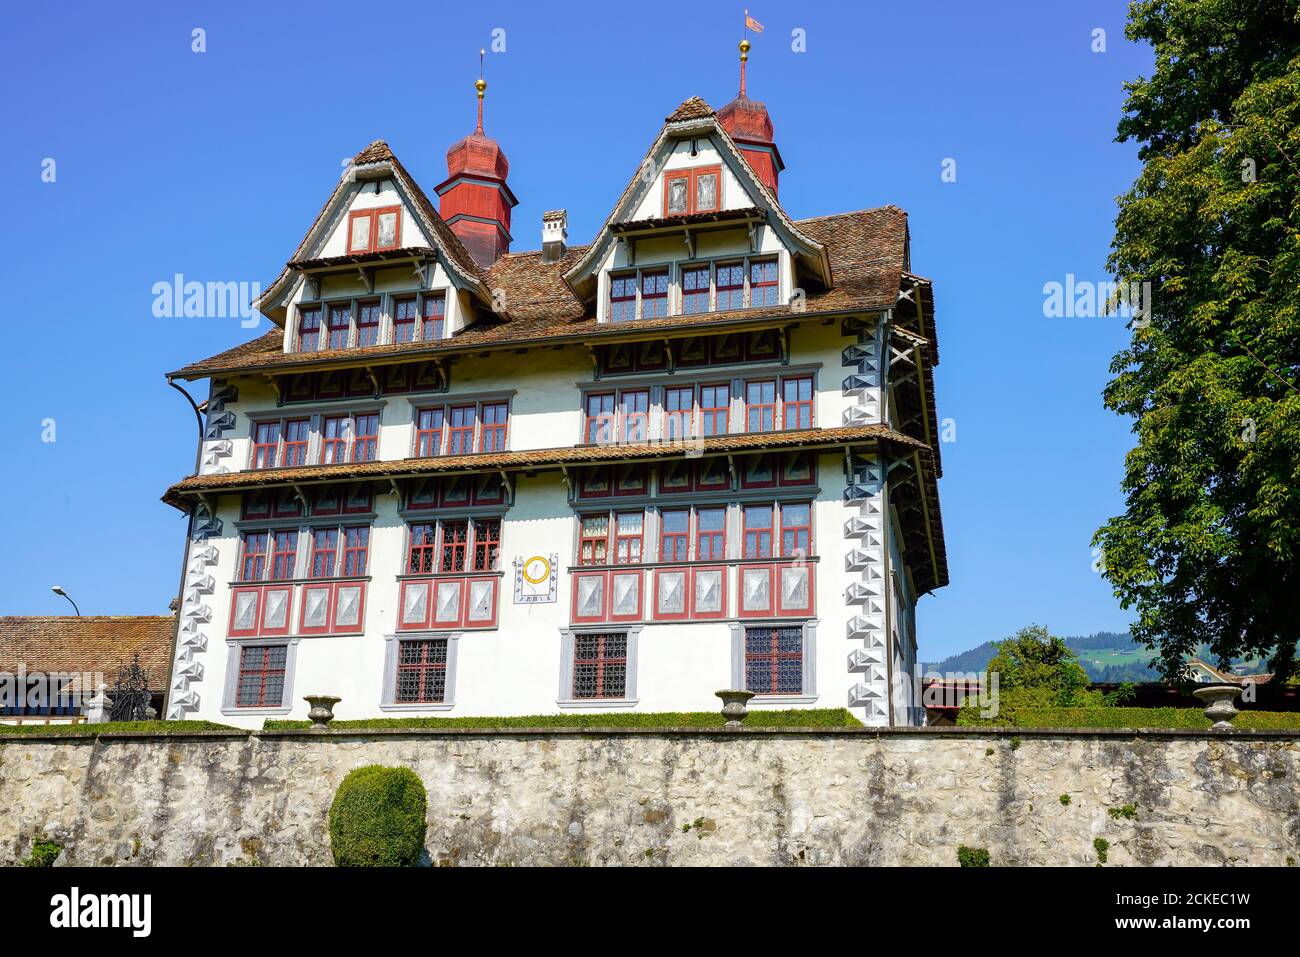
[377,818]
[972,856]
[1101,846]
[788,718]
[44,853]
[1065,800]
[1127,811]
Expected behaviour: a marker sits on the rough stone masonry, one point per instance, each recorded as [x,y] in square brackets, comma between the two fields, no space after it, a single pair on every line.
[664,797]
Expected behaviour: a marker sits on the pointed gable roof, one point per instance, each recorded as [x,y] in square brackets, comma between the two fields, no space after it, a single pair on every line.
[692,108]
[695,116]
[376,159]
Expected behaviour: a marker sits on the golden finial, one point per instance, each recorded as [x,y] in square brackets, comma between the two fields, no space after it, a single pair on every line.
[744,55]
[480,85]
[744,50]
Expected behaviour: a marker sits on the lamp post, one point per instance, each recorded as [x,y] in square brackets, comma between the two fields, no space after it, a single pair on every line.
[58,590]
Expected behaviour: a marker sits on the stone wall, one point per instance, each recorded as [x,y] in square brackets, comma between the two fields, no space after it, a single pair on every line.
[842,796]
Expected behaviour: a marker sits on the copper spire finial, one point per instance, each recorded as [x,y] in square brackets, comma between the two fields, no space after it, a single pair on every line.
[480,84]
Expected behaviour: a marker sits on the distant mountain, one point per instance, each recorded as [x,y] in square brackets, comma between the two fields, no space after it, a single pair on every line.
[1106,656]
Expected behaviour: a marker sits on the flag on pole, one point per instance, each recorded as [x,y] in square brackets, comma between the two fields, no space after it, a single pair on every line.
[752,24]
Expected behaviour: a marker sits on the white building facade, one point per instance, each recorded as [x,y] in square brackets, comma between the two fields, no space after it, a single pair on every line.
[698,453]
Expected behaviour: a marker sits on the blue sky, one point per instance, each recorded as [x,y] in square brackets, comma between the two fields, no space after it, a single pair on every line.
[213,164]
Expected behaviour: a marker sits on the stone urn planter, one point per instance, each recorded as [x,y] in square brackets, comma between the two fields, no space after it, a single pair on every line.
[1218,700]
[322,710]
[733,706]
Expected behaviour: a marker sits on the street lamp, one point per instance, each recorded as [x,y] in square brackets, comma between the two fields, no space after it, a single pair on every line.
[58,590]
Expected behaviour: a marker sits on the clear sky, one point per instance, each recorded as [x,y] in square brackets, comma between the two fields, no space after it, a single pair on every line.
[213,165]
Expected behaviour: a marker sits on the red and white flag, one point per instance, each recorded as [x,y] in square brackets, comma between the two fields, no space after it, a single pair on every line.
[752,24]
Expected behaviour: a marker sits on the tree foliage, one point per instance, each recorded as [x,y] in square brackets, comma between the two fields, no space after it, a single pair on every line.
[1034,660]
[1208,548]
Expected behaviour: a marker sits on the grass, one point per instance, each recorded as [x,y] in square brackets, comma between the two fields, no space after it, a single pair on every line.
[1129,718]
[92,730]
[794,718]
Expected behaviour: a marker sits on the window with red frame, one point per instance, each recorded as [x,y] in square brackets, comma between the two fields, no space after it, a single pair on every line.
[715,409]
[763,282]
[335,432]
[711,534]
[422,548]
[695,290]
[421,671]
[731,286]
[460,430]
[600,418]
[284,550]
[435,311]
[636,415]
[404,314]
[797,402]
[492,434]
[622,298]
[338,327]
[252,562]
[674,535]
[261,676]
[428,432]
[487,544]
[600,665]
[365,438]
[774,660]
[455,543]
[679,412]
[266,443]
[654,295]
[324,552]
[371,230]
[691,191]
[796,530]
[758,531]
[297,432]
[593,540]
[368,324]
[760,406]
[356,549]
[628,531]
[309,329]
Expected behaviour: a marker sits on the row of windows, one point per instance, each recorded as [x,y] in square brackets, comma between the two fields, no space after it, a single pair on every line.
[691,411]
[332,551]
[671,412]
[698,533]
[773,665]
[451,545]
[358,322]
[454,429]
[721,286]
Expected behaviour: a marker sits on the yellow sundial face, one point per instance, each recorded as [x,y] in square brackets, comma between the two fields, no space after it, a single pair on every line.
[536,570]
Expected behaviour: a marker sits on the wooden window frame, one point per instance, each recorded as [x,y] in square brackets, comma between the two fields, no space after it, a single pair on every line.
[775,283]
[467,431]
[264,671]
[375,308]
[259,556]
[493,428]
[331,309]
[319,312]
[619,538]
[798,404]
[654,275]
[771,529]
[438,316]
[436,435]
[602,417]
[752,407]
[373,215]
[692,177]
[806,529]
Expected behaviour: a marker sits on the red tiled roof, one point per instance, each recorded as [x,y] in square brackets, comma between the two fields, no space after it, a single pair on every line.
[90,643]
[691,109]
[528,459]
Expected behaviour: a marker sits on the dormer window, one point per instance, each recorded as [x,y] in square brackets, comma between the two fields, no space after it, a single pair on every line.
[691,191]
[372,230]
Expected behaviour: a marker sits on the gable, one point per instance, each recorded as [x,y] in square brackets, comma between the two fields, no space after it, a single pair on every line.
[363,203]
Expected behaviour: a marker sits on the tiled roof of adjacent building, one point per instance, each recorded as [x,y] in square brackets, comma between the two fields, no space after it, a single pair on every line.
[91,643]
[867,250]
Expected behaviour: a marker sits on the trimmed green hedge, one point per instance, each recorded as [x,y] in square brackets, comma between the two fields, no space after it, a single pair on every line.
[90,730]
[1119,717]
[377,818]
[793,718]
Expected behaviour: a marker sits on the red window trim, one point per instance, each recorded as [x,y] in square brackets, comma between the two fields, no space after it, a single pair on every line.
[634,278]
[770,528]
[303,312]
[595,540]
[692,189]
[373,215]
[438,316]
[749,278]
[407,321]
[713,534]
[797,404]
[266,454]
[806,529]
[619,538]
[709,413]
[464,431]
[486,428]
[682,538]
[265,670]
[603,422]
[753,407]
[373,307]
[436,434]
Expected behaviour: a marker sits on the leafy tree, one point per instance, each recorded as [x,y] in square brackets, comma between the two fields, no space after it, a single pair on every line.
[1208,548]
[1034,660]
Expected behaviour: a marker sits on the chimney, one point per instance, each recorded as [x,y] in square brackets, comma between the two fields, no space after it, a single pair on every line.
[555,230]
